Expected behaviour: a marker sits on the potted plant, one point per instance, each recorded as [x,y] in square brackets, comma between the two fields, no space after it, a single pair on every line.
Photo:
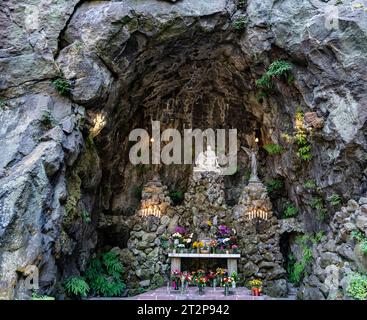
[256,286]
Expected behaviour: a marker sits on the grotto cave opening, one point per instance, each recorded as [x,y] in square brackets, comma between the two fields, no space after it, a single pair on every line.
[186,82]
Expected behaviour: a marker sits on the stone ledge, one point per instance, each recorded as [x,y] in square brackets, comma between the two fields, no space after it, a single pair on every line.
[204,255]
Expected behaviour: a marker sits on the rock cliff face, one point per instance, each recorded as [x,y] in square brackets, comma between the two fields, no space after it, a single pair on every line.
[189,64]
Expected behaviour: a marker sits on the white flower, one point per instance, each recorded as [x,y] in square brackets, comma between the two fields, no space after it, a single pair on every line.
[226,239]
[188,240]
[177,235]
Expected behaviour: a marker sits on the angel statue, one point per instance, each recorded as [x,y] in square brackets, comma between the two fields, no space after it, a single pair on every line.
[252,153]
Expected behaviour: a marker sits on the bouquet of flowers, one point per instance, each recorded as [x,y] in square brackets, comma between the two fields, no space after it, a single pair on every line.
[175,278]
[213,245]
[256,287]
[227,281]
[198,245]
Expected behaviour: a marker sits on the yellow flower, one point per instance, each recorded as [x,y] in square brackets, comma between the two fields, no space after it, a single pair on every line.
[210,223]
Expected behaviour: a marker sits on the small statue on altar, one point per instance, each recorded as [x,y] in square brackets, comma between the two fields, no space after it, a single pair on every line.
[207,161]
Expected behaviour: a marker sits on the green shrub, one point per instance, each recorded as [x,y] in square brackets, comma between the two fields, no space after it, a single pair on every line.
[77,286]
[335,200]
[317,203]
[273,148]
[277,69]
[62,85]
[290,211]
[274,185]
[297,269]
[363,247]
[47,120]
[2,104]
[104,275]
[240,24]
[177,197]
[318,237]
[310,184]
[301,138]
[86,216]
[361,239]
[357,236]
[357,286]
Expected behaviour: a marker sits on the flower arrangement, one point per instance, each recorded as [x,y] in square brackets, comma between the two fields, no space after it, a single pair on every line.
[181,230]
[256,283]
[177,235]
[256,287]
[224,230]
[198,245]
[175,278]
[227,281]
[234,248]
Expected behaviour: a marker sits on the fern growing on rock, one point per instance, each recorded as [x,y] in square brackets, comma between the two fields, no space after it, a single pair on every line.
[273,149]
[104,274]
[62,85]
[277,69]
[77,286]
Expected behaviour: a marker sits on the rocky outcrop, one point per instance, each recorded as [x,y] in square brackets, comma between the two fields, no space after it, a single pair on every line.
[338,255]
[185,63]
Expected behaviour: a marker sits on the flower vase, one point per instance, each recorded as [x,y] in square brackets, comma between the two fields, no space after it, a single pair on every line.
[234,285]
[256,292]
[198,250]
[226,290]
[201,290]
[175,285]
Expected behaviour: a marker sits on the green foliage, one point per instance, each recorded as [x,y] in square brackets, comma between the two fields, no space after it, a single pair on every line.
[277,69]
[335,200]
[86,216]
[177,197]
[273,148]
[240,24]
[301,138]
[357,236]
[104,275]
[317,203]
[138,192]
[363,247]
[241,4]
[310,184]
[290,211]
[62,85]
[274,185]
[2,104]
[47,120]
[36,296]
[297,269]
[361,239]
[318,237]
[357,286]
[77,286]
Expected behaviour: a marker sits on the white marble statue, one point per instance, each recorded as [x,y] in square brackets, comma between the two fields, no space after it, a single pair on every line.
[207,161]
[252,153]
